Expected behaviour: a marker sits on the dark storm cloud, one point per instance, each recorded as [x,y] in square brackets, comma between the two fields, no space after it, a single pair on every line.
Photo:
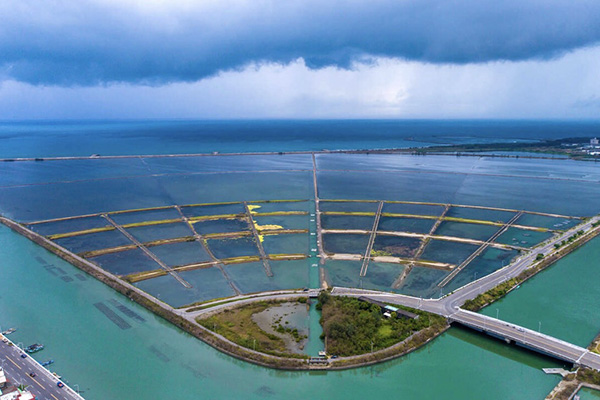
[92,42]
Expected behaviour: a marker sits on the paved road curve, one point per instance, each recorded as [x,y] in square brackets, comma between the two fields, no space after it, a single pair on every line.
[17,370]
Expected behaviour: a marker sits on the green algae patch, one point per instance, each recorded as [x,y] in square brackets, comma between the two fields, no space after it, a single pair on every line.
[358,213]
[225,235]
[79,233]
[239,260]
[472,221]
[150,223]
[276,213]
[402,215]
[287,256]
[141,276]
[110,250]
[380,253]
[214,217]
[252,207]
[133,210]
[223,203]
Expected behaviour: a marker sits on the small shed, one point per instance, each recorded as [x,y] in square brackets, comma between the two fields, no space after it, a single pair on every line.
[387,309]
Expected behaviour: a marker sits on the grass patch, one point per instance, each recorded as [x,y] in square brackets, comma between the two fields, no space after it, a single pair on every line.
[237,325]
[588,375]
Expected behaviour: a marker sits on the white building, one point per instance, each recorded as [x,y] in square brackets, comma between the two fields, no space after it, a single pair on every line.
[9,392]
[594,142]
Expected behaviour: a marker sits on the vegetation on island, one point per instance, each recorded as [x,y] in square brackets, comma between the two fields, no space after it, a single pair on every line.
[570,147]
[238,326]
[353,327]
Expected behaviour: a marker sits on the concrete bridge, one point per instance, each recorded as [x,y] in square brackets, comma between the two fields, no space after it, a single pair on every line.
[527,338]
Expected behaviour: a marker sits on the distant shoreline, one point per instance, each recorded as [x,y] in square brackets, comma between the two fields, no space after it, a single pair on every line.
[446,150]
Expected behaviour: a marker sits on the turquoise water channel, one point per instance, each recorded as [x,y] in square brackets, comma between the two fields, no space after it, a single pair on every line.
[588,394]
[146,357]
[562,301]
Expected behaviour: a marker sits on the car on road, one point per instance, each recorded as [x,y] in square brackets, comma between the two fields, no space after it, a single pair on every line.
[32,374]
[60,384]
[23,355]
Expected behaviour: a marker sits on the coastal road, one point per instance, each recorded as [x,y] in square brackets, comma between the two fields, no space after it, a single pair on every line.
[245,299]
[17,370]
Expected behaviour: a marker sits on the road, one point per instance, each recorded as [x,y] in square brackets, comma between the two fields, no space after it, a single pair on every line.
[43,385]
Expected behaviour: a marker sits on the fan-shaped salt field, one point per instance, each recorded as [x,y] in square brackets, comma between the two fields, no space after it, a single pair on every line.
[188,229]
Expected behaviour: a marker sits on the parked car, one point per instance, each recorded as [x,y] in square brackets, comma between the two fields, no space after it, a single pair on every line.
[60,384]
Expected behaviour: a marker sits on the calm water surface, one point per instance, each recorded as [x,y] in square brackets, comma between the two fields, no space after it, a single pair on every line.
[66,138]
[562,301]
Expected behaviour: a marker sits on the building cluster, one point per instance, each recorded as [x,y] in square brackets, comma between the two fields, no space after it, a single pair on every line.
[593,148]
[8,391]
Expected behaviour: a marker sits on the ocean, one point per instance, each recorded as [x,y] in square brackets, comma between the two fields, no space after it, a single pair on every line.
[84,138]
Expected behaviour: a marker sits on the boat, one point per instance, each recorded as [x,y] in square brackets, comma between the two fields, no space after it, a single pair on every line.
[48,362]
[34,348]
[8,332]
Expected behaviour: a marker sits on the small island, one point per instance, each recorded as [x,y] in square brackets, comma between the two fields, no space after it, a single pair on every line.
[356,330]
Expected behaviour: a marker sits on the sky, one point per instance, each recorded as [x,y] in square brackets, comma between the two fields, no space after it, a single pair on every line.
[116,59]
